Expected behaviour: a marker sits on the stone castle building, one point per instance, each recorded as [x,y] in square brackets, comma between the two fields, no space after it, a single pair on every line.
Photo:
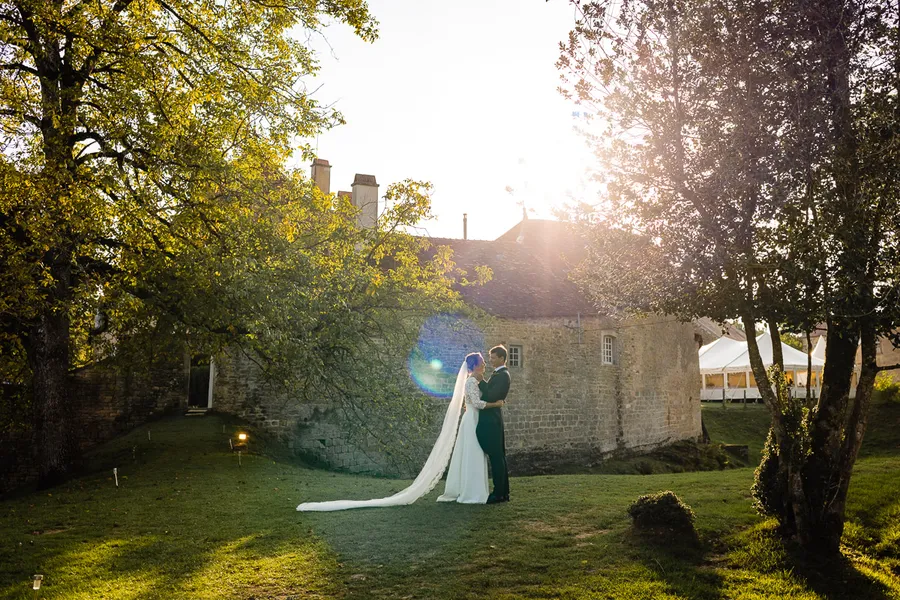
[582,384]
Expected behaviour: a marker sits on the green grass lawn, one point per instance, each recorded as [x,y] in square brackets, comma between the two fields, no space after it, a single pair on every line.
[745,424]
[188,522]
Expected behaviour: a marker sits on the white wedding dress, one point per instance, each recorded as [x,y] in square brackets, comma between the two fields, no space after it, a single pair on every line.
[467,478]
[436,463]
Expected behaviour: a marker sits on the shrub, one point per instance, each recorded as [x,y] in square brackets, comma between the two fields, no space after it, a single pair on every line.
[769,484]
[663,510]
[887,388]
[644,468]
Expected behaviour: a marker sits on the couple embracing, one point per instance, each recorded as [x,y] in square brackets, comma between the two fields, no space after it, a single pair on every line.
[480,435]
[466,444]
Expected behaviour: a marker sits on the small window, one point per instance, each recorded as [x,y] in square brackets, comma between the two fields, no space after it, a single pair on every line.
[515,356]
[737,380]
[609,349]
[714,381]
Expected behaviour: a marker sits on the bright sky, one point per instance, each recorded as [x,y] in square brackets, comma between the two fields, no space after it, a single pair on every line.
[462,94]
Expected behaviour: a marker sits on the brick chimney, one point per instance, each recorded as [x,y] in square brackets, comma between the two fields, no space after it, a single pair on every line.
[321,175]
[365,198]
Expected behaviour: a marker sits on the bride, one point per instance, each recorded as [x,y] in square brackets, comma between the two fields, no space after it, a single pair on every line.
[467,479]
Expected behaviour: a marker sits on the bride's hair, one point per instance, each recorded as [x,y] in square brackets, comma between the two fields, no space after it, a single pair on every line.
[473,360]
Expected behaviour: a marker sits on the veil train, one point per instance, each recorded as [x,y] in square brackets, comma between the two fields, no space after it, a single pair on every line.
[431,472]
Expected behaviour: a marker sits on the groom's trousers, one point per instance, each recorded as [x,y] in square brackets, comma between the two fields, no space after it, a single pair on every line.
[493,441]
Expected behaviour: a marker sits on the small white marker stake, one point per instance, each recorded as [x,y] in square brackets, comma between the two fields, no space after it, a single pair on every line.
[116,475]
[239,458]
[148,435]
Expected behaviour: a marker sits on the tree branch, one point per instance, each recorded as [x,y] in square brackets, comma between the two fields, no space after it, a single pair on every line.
[35,48]
[90,265]
[13,113]
[19,67]
[87,67]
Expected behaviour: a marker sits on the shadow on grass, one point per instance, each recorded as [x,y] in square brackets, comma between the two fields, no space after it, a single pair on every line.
[761,549]
[185,522]
[841,578]
[262,564]
[507,551]
[681,559]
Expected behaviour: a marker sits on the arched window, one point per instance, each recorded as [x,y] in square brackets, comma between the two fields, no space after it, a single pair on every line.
[608,350]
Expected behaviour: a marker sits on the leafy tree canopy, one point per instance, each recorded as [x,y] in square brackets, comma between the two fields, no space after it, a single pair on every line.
[143,189]
[749,159]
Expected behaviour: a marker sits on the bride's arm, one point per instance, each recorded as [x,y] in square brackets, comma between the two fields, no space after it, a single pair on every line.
[473,396]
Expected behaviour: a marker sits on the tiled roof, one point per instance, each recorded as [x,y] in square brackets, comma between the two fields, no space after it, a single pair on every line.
[529,276]
[716,330]
[547,237]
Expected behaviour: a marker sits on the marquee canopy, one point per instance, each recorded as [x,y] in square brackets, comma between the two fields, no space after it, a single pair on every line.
[726,355]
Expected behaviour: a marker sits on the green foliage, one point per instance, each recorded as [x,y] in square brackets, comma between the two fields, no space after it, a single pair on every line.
[886,387]
[792,340]
[663,510]
[145,203]
[770,484]
[144,153]
[737,186]
[644,467]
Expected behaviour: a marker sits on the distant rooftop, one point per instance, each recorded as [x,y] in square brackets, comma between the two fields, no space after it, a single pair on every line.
[531,263]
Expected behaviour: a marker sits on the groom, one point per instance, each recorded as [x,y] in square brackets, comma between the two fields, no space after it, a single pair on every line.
[490,424]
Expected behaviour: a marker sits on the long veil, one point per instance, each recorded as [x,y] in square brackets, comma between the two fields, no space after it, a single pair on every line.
[432,470]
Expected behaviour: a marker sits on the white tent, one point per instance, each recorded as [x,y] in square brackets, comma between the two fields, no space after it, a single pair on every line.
[715,356]
[725,367]
[819,350]
[727,355]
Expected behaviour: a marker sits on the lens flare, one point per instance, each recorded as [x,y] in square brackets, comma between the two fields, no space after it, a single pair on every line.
[444,341]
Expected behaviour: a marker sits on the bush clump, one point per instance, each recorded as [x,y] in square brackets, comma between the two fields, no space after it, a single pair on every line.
[663,510]
[770,484]
[887,388]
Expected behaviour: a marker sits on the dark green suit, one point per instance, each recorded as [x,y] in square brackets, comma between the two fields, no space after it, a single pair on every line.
[490,429]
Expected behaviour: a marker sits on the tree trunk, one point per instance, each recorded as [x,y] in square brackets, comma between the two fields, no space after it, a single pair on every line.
[48,357]
[823,473]
[835,433]
[813,470]
[49,338]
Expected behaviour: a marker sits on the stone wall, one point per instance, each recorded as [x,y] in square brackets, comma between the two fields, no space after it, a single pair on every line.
[660,383]
[565,405]
[109,400]
[562,400]
[316,432]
